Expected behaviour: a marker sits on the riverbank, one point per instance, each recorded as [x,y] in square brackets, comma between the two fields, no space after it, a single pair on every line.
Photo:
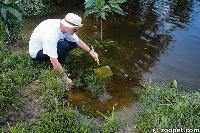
[32,97]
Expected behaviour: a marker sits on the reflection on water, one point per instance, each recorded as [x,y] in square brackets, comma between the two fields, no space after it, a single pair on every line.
[157,41]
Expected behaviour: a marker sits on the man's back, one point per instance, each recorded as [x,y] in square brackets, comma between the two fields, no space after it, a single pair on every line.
[46,33]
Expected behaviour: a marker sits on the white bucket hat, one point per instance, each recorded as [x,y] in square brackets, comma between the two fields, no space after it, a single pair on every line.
[72,20]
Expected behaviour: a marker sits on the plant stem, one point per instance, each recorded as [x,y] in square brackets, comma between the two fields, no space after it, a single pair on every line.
[101,30]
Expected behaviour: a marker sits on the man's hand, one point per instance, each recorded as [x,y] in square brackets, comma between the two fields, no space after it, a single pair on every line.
[69,81]
[85,47]
[59,68]
[94,55]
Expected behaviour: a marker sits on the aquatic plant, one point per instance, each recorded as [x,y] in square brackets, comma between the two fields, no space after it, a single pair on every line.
[81,66]
[94,84]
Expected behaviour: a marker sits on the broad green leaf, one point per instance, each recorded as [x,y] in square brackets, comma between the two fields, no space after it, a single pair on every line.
[115,8]
[103,72]
[89,3]
[117,1]
[100,8]
[89,12]
[103,15]
[6,1]
[15,13]
[3,12]
[100,4]
[106,9]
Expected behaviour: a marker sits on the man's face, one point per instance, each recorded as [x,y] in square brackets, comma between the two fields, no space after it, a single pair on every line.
[70,31]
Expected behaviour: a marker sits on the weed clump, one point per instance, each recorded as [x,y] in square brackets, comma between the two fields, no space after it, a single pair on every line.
[82,67]
[163,107]
[17,71]
[95,85]
[63,120]
[69,120]
[53,90]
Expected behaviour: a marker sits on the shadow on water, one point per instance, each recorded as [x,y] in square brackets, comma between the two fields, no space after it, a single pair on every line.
[148,49]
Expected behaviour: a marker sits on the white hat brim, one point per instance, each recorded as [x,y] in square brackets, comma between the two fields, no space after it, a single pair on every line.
[69,25]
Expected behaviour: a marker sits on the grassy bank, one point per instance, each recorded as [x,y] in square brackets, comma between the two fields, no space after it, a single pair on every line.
[24,84]
[164,107]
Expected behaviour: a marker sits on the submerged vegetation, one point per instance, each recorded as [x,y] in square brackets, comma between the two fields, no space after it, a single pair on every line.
[95,85]
[84,74]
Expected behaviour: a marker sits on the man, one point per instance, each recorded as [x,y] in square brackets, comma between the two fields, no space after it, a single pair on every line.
[52,39]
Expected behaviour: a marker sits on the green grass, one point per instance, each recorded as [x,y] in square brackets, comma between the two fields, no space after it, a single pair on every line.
[63,120]
[53,90]
[67,120]
[111,124]
[17,73]
[163,107]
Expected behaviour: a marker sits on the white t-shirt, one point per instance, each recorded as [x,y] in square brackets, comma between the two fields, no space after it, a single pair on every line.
[46,35]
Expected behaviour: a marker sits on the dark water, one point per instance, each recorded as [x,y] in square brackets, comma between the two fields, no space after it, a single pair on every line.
[157,41]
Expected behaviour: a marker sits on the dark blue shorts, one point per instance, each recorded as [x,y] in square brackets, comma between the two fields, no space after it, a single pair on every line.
[63,48]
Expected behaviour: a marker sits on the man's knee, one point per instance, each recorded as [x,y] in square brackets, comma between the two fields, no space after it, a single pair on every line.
[63,45]
[41,56]
[66,45]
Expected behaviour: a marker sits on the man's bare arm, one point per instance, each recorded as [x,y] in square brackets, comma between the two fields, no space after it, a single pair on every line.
[56,65]
[83,45]
[91,51]
[59,68]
